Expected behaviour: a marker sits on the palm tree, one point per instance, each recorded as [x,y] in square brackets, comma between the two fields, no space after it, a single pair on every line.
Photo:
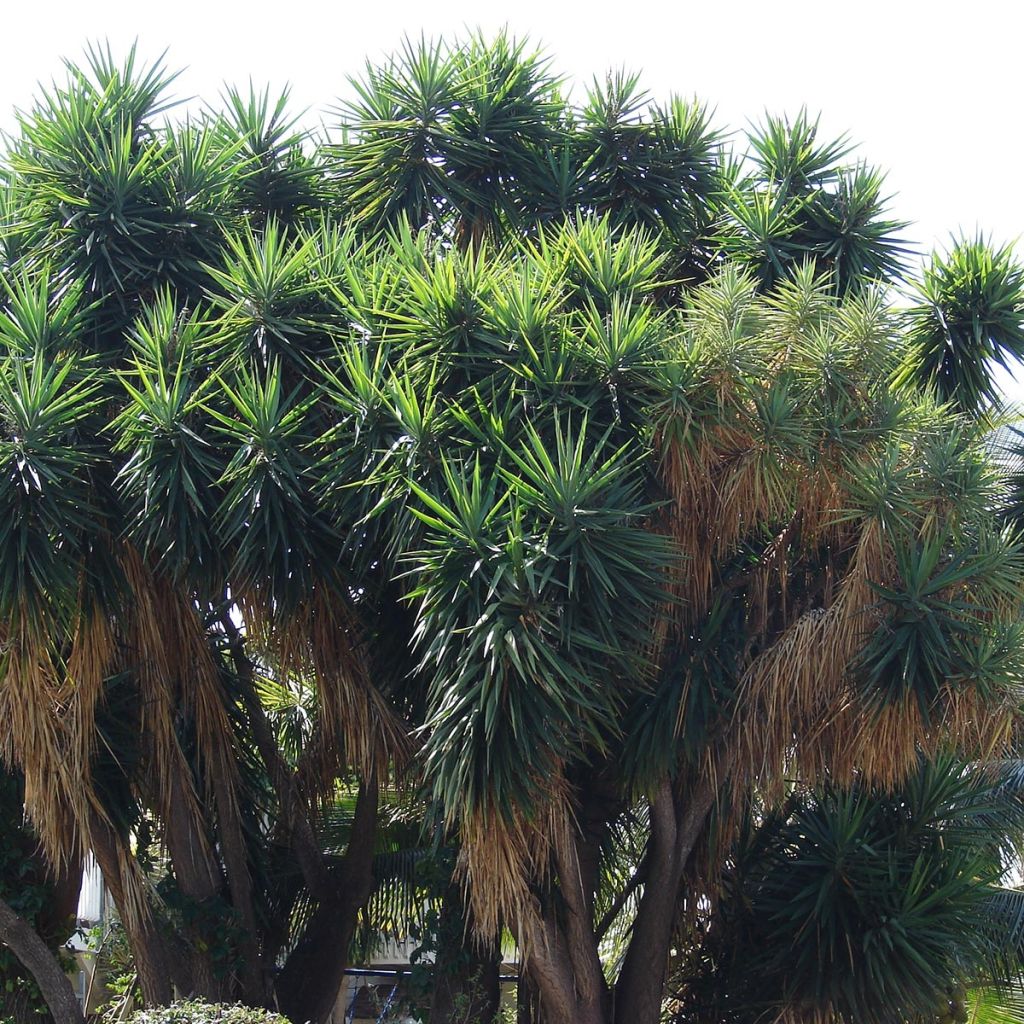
[547,461]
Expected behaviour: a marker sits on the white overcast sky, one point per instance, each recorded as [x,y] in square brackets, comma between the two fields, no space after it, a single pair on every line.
[931,91]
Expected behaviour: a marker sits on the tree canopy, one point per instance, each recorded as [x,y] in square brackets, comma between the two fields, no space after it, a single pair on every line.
[559,491]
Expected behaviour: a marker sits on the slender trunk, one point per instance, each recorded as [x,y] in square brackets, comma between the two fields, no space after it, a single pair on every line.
[309,983]
[153,960]
[621,899]
[297,827]
[39,961]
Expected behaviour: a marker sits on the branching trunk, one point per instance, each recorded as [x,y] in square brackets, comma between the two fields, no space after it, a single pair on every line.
[39,961]
[308,985]
[561,940]
[674,831]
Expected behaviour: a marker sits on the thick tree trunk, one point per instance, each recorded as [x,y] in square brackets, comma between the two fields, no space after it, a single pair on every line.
[674,832]
[309,983]
[561,941]
[561,971]
[254,979]
[198,877]
[548,968]
[39,961]
[592,993]
[150,948]
[56,922]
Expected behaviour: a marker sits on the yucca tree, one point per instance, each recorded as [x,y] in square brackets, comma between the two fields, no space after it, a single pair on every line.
[903,887]
[132,669]
[966,321]
[546,464]
[715,544]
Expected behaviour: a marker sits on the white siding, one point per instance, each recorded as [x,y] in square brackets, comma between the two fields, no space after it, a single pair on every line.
[90,899]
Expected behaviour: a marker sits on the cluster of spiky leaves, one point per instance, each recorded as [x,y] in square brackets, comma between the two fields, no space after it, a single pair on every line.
[479,139]
[968,316]
[500,439]
[841,886]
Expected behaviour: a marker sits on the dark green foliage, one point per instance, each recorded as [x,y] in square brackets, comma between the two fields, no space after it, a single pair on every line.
[969,315]
[538,461]
[864,905]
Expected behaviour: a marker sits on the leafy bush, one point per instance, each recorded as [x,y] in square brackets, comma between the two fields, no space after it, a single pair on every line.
[196,1011]
[115,965]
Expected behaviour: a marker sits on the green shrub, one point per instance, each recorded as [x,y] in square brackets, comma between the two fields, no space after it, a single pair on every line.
[196,1011]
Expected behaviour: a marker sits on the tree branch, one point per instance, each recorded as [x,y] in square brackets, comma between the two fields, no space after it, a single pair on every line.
[308,984]
[300,832]
[23,940]
[639,877]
